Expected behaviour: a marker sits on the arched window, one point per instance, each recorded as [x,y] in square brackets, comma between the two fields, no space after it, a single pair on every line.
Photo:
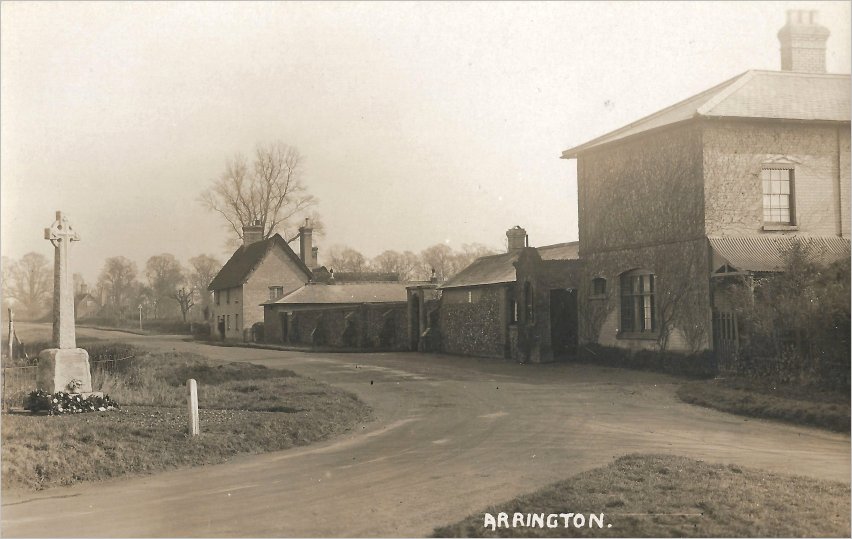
[529,303]
[598,286]
[638,313]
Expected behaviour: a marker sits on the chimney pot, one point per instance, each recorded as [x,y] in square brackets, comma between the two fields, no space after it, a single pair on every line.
[252,233]
[803,42]
[517,239]
[306,247]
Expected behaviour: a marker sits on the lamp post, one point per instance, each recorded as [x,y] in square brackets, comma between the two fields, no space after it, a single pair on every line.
[140,317]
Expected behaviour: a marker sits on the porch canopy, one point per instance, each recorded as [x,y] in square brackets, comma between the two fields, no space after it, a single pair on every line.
[766,253]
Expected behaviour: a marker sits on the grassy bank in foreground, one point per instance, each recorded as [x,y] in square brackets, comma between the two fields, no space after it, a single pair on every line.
[803,406]
[244,408]
[668,496]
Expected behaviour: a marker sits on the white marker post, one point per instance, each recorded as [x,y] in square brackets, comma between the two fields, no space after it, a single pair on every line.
[192,400]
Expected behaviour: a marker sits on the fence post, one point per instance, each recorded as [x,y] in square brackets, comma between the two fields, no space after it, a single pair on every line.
[192,401]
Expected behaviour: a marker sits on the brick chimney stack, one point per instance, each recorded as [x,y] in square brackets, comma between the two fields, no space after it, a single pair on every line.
[252,233]
[306,240]
[517,239]
[803,42]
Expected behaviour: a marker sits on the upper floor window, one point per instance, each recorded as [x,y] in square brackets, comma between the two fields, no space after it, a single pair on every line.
[637,302]
[598,286]
[216,297]
[228,295]
[276,292]
[777,195]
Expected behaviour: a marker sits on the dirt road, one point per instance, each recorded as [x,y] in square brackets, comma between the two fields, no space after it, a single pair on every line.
[452,436]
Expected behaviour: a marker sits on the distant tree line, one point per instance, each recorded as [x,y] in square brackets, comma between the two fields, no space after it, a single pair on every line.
[408,265]
[166,289]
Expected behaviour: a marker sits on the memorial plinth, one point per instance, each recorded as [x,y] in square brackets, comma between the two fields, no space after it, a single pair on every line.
[65,367]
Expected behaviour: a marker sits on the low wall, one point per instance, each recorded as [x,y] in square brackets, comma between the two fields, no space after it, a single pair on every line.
[369,326]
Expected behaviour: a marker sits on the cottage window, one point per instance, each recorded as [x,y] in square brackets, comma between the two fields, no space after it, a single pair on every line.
[777,195]
[598,286]
[229,322]
[529,307]
[637,302]
[237,322]
[470,296]
[216,296]
[228,295]
[276,292]
[513,311]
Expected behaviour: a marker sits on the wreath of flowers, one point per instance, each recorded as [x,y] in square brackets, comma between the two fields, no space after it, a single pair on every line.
[67,403]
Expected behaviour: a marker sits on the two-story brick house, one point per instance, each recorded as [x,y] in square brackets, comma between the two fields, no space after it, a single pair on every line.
[718,183]
[259,270]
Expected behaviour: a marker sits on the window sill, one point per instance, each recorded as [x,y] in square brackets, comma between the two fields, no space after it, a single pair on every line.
[649,336]
[780,228]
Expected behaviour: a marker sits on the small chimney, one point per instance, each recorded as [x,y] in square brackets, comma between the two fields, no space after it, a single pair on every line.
[314,258]
[433,278]
[306,240]
[803,42]
[252,233]
[517,239]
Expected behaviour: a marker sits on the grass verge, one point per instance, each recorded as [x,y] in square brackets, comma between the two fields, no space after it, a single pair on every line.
[668,496]
[800,405]
[244,409]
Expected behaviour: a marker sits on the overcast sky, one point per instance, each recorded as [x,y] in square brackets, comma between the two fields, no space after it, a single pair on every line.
[419,122]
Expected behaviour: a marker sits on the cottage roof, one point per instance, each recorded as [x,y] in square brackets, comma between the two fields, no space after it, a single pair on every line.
[246,258]
[346,293]
[781,95]
[496,269]
[764,253]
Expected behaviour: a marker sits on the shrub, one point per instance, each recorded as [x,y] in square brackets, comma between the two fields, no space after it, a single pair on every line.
[698,365]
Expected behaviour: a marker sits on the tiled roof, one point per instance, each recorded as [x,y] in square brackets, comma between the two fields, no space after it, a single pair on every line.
[754,94]
[245,259]
[560,251]
[344,293]
[495,269]
[491,269]
[764,253]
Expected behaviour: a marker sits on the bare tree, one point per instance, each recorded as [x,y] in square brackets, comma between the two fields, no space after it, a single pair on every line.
[203,269]
[118,279]
[186,300]
[404,264]
[270,191]
[346,259]
[165,275]
[30,284]
[438,257]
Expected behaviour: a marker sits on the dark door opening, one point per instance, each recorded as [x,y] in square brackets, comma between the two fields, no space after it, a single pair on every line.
[414,317]
[285,328]
[725,340]
[563,323]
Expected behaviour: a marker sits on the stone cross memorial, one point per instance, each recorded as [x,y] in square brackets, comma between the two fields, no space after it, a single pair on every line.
[65,367]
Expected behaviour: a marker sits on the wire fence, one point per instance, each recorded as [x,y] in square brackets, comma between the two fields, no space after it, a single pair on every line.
[19,381]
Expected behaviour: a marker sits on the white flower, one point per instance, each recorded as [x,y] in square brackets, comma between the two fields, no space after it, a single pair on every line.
[102,409]
[55,400]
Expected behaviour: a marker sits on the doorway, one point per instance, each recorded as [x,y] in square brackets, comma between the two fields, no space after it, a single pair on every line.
[414,321]
[563,323]
[285,327]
